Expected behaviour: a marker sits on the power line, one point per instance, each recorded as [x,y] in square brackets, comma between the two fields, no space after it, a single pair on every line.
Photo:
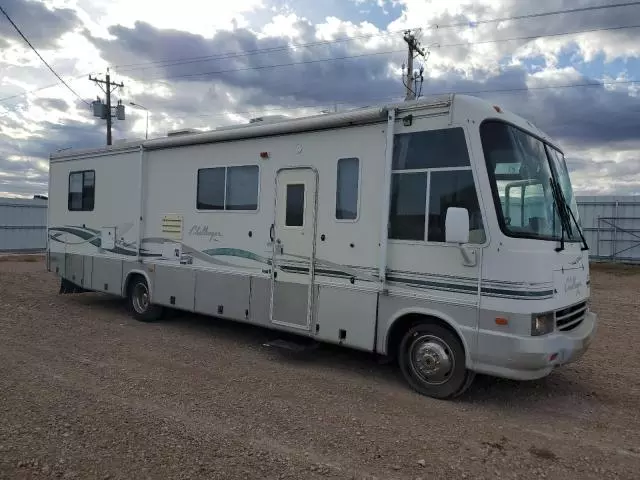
[38,89]
[246,53]
[278,65]
[538,15]
[17,95]
[546,35]
[398,97]
[235,54]
[193,60]
[390,52]
[257,51]
[461,44]
[40,56]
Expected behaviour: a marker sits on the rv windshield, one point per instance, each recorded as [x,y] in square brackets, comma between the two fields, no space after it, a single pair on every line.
[522,170]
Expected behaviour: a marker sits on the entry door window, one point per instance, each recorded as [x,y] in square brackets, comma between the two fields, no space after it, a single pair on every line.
[295,205]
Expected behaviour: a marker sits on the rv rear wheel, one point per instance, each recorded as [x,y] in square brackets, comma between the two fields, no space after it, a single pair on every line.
[140,301]
[432,361]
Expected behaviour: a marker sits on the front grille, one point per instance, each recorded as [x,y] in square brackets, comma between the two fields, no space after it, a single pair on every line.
[571,317]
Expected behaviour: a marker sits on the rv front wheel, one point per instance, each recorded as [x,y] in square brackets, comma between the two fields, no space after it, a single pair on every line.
[140,301]
[432,361]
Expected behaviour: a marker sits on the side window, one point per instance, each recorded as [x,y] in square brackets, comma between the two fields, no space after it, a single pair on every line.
[210,192]
[347,189]
[82,190]
[431,149]
[436,163]
[294,216]
[242,188]
[453,189]
[228,188]
[408,206]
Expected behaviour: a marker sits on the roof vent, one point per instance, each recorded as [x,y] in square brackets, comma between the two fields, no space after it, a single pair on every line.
[269,119]
[184,131]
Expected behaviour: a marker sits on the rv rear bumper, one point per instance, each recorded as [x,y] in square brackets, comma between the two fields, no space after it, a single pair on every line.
[530,358]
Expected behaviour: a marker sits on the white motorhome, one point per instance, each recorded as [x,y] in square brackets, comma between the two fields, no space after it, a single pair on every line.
[441,232]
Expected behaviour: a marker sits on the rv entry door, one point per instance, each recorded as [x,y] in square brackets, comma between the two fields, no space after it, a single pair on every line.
[293,237]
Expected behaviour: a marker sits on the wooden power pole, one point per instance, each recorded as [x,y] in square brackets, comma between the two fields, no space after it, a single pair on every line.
[414,47]
[104,111]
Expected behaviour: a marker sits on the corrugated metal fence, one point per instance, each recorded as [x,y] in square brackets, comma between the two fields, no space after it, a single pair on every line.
[23,225]
[611,227]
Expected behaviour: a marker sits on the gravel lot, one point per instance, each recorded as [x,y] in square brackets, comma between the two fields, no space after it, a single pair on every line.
[88,392]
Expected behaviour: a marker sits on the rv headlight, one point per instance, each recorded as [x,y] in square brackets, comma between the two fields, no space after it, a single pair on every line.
[542,323]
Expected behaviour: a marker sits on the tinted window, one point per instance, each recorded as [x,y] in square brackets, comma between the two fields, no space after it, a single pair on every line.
[408,204]
[239,183]
[453,189]
[430,149]
[82,190]
[295,206]
[347,189]
[242,188]
[211,188]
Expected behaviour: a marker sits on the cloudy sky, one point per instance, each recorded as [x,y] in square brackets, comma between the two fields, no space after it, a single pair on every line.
[206,63]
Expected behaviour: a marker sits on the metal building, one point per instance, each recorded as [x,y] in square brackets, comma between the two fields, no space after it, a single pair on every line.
[612,227]
[23,224]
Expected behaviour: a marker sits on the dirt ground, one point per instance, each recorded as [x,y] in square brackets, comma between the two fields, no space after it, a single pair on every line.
[88,392]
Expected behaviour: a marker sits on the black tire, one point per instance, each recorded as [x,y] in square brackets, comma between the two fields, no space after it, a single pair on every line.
[142,309]
[432,361]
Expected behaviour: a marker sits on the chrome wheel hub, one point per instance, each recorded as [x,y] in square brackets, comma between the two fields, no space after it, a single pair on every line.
[140,298]
[431,359]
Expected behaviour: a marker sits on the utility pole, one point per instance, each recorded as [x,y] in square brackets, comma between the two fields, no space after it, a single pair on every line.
[414,46]
[104,111]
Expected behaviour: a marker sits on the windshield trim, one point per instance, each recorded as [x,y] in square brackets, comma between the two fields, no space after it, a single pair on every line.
[494,184]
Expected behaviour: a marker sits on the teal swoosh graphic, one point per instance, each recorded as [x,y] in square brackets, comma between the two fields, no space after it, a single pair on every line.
[237,252]
[87,235]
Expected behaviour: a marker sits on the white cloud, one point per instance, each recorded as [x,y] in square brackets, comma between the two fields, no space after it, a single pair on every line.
[202,17]
[283,26]
[33,125]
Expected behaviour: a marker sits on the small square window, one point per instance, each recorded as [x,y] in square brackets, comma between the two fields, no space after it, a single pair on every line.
[82,191]
[295,205]
[347,189]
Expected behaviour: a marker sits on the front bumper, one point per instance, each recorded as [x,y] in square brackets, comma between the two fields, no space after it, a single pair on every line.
[529,358]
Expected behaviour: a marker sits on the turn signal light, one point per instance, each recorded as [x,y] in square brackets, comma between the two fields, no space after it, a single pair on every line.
[502,321]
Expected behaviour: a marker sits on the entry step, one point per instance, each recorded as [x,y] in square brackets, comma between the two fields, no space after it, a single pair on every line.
[297,345]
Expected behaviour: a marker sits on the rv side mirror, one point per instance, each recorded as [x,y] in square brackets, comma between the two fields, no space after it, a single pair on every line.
[457,225]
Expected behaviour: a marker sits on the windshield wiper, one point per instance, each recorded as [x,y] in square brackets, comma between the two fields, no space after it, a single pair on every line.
[562,213]
[566,208]
[585,246]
